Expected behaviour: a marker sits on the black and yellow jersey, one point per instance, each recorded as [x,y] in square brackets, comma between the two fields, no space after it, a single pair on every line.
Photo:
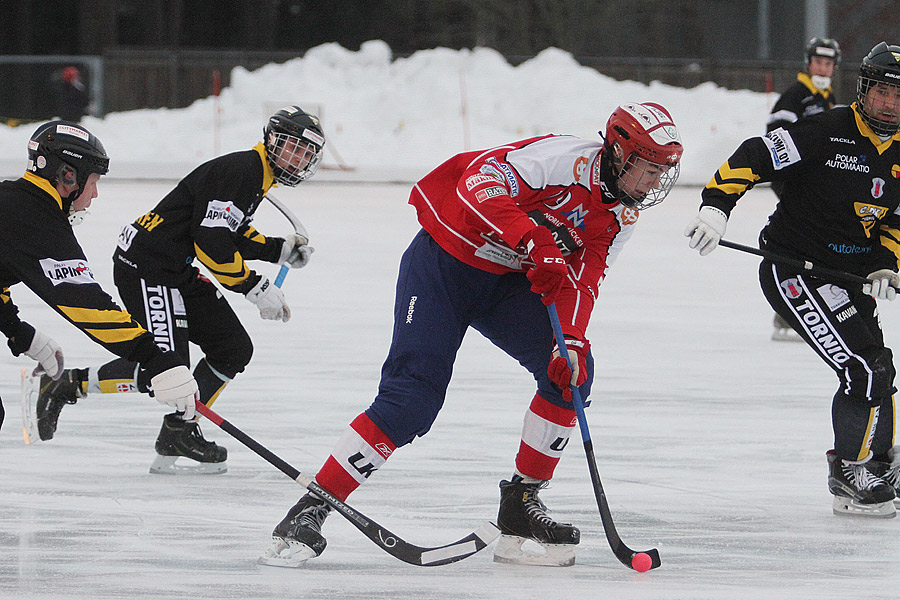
[839,205]
[802,99]
[40,250]
[207,216]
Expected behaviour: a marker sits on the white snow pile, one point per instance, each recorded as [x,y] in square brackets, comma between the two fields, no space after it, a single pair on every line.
[383,117]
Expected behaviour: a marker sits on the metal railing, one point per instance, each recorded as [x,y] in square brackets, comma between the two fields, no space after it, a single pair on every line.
[123,80]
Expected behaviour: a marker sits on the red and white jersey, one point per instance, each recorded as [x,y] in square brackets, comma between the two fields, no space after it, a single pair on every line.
[478,205]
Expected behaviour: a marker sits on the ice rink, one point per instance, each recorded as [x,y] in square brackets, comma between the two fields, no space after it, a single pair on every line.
[710,438]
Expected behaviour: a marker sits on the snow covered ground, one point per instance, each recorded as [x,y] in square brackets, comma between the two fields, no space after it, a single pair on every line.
[709,437]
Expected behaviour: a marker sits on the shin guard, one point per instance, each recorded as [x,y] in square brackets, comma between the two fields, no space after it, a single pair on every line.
[360,451]
[545,434]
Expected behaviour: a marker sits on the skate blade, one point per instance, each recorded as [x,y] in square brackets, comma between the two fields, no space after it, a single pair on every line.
[510,550]
[286,553]
[847,506]
[786,335]
[31,389]
[166,465]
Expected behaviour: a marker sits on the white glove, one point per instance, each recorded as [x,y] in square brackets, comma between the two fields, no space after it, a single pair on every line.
[177,388]
[48,354]
[706,229]
[295,251]
[270,301]
[884,284]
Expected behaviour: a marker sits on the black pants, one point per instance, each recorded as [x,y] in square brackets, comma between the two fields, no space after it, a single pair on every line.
[842,326]
[195,312]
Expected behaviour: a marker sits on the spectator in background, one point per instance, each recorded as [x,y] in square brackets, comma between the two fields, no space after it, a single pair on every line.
[72,99]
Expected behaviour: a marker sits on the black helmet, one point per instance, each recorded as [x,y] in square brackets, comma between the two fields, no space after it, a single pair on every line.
[294,145]
[881,65]
[825,47]
[67,153]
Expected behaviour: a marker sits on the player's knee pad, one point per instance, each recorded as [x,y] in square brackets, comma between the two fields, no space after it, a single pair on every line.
[883,373]
[231,360]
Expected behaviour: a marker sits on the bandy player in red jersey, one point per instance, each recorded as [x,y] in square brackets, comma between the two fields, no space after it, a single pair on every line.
[505,232]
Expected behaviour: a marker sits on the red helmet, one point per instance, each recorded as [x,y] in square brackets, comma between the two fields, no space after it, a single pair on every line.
[644,133]
[646,129]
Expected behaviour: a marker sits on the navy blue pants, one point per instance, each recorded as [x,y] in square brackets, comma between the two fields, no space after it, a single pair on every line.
[438,298]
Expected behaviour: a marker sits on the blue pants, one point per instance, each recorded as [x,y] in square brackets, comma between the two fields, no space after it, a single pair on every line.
[438,298]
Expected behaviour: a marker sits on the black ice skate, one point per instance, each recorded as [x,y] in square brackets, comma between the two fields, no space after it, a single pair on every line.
[180,438]
[299,535]
[857,490]
[43,399]
[888,468]
[523,518]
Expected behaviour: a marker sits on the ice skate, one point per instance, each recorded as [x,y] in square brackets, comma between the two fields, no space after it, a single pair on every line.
[299,535]
[783,331]
[528,535]
[183,439]
[857,491]
[43,399]
[889,470]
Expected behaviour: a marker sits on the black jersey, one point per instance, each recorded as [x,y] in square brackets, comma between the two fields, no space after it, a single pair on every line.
[801,99]
[207,216]
[39,249]
[841,190]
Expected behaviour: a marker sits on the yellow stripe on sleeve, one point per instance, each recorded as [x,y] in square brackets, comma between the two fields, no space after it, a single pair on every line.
[255,236]
[229,274]
[80,314]
[114,336]
[889,239]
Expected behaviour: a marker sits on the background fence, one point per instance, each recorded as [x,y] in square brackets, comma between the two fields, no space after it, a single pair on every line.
[123,80]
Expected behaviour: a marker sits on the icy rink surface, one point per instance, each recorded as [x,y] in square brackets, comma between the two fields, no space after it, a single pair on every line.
[709,437]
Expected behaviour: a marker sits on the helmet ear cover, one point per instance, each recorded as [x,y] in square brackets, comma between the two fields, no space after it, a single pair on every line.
[67,175]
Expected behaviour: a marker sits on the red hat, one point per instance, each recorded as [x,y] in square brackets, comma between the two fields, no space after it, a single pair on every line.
[70,74]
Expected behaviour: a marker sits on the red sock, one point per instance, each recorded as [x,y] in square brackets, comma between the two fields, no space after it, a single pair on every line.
[359,452]
[545,434]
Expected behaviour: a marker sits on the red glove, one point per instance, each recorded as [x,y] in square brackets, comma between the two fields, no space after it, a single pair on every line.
[560,373]
[550,270]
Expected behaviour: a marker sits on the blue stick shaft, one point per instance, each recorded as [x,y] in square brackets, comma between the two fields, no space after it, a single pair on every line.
[281,275]
[564,352]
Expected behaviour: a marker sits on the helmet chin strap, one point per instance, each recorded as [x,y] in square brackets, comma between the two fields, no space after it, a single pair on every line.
[614,178]
[76,217]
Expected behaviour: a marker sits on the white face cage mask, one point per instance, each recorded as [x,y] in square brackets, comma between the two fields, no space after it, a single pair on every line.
[292,159]
[643,184]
